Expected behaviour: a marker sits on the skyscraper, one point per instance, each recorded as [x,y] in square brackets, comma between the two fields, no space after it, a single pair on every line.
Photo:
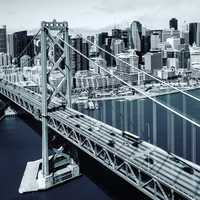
[155,41]
[173,23]
[135,35]
[117,46]
[78,61]
[116,33]
[194,34]
[102,38]
[3,41]
[17,42]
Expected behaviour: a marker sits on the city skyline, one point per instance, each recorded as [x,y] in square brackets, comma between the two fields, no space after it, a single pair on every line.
[97,15]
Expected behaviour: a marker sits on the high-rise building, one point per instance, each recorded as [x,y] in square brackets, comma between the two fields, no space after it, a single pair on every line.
[173,23]
[102,38]
[78,61]
[3,41]
[125,36]
[135,35]
[19,44]
[184,57]
[117,46]
[10,45]
[195,57]
[116,33]
[155,41]
[172,59]
[194,34]
[129,57]
[153,61]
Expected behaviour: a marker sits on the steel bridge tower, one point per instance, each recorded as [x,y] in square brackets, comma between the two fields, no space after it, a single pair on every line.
[55,95]
[53,54]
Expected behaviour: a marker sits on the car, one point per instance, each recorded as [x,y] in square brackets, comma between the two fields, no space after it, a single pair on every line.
[71,116]
[149,160]
[77,126]
[111,143]
[90,129]
[188,169]
[77,116]
[112,134]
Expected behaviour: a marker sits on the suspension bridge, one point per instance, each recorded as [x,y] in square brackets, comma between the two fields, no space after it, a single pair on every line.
[153,171]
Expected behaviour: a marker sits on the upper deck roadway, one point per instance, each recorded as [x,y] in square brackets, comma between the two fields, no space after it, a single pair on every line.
[155,172]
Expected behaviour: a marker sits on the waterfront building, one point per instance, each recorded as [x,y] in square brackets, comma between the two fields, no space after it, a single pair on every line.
[165,73]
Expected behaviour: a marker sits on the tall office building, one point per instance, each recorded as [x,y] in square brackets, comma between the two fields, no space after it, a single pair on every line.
[173,23]
[116,33]
[117,46]
[17,42]
[10,45]
[125,36]
[153,61]
[3,41]
[194,34]
[78,61]
[184,57]
[195,57]
[102,38]
[155,41]
[129,57]
[135,35]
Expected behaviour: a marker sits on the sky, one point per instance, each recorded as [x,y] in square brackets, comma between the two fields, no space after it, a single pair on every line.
[96,14]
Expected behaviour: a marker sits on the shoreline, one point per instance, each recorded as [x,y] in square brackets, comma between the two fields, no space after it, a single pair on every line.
[137,96]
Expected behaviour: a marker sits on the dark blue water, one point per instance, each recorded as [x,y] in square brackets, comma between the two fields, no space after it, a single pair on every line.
[19,143]
[154,124]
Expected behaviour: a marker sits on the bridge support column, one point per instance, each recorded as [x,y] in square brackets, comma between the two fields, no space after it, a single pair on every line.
[45,156]
[67,68]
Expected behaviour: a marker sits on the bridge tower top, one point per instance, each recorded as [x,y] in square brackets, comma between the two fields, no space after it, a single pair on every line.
[54,25]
